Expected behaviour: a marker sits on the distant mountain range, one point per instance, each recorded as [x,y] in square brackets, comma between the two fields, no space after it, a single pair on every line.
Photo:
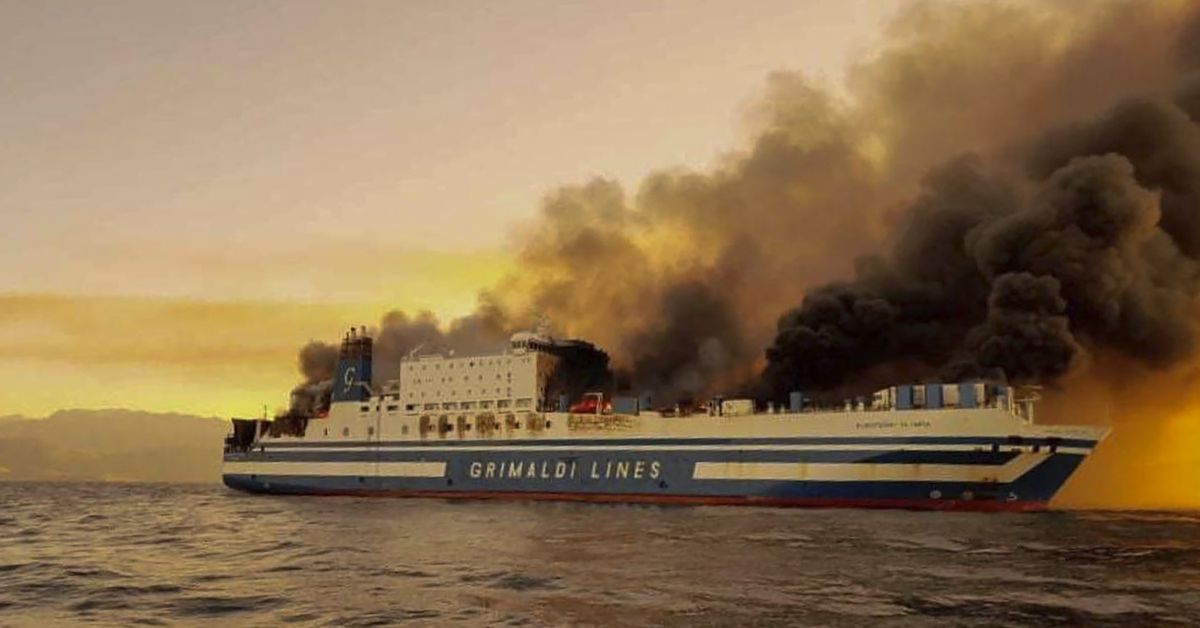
[111,445]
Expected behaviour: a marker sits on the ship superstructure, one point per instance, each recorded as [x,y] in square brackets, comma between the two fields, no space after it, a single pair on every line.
[517,424]
[512,381]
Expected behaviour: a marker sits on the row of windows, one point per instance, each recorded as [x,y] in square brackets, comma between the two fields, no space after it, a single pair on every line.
[370,430]
[523,402]
[463,423]
[449,380]
[484,425]
[437,366]
[486,404]
[452,393]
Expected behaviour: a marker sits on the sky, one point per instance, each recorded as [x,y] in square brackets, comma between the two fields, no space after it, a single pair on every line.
[191,190]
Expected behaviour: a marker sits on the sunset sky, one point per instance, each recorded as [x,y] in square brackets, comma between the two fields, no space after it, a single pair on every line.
[191,190]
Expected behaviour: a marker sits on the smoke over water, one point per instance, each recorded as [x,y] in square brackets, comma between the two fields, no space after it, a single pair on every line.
[1008,189]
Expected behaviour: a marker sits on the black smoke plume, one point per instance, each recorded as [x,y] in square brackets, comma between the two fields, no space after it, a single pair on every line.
[980,281]
[1094,250]
[1068,230]
[316,362]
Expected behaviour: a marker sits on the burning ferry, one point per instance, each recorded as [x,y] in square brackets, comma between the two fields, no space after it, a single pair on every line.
[522,423]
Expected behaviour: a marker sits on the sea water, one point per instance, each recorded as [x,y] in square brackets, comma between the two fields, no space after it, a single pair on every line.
[141,554]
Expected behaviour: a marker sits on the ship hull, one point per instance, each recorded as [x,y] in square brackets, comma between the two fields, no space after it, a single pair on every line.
[933,473]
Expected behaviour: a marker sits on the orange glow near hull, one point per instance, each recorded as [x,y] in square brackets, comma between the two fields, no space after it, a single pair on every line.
[1151,459]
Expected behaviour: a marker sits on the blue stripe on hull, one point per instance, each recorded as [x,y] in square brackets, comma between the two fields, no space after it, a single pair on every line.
[452,441]
[864,456]
[590,475]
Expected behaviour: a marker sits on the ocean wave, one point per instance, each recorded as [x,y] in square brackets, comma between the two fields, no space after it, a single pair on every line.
[193,554]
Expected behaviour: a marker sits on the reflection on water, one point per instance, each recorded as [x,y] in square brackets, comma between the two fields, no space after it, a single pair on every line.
[162,554]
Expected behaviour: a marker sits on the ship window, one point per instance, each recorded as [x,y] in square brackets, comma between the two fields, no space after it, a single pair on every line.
[364,408]
[392,408]
[370,431]
[410,407]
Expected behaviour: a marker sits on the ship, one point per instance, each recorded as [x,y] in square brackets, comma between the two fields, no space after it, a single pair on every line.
[520,423]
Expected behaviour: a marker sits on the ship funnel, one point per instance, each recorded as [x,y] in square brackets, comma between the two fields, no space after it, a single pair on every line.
[353,379]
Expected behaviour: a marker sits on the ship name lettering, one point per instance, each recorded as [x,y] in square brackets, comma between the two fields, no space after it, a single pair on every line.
[635,469]
[625,469]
